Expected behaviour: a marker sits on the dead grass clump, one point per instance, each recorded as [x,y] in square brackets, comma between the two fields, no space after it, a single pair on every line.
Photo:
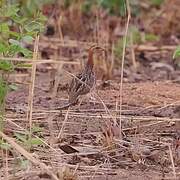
[65,173]
[107,138]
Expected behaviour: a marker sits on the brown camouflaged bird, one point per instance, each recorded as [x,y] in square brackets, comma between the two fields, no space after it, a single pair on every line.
[82,83]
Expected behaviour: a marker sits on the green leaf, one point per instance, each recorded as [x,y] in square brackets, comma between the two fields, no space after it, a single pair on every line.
[151,37]
[35,142]
[9,10]
[4,145]
[23,65]
[176,53]
[42,18]
[34,26]
[26,52]
[157,2]
[31,6]
[3,92]
[19,19]
[27,39]
[24,164]
[13,87]
[136,36]
[14,49]
[118,49]
[4,28]
[6,65]
[15,34]
[15,42]
[36,129]
[3,48]
[21,137]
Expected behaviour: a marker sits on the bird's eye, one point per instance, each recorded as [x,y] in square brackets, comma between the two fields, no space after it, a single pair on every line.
[84,56]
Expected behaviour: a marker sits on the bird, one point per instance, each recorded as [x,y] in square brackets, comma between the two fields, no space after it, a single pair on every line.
[82,83]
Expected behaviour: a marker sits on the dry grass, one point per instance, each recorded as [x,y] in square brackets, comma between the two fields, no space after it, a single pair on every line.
[122,64]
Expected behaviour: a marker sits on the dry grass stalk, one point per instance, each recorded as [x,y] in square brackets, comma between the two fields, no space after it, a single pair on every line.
[122,64]
[110,69]
[97,31]
[70,43]
[4,155]
[43,61]
[95,172]
[6,172]
[64,122]
[31,87]
[154,48]
[172,162]
[58,71]
[133,53]
[52,138]
[103,65]
[58,67]
[60,29]
[110,115]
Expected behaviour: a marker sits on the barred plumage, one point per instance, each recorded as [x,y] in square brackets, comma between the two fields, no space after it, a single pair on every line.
[82,83]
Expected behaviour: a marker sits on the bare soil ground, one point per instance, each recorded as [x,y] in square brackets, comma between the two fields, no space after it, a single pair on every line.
[150,118]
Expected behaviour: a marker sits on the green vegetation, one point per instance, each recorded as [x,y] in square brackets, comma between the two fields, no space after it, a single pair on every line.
[156,2]
[17,28]
[117,7]
[137,38]
[114,7]
[23,138]
[176,53]
[26,142]
[31,7]
[3,92]
[4,145]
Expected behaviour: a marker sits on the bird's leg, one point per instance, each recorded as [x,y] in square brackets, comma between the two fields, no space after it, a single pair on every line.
[83,98]
[93,98]
[87,98]
[92,94]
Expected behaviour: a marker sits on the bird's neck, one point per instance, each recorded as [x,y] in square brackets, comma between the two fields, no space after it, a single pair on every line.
[90,62]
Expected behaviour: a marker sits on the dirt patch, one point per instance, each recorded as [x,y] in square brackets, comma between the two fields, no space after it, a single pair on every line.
[149,111]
